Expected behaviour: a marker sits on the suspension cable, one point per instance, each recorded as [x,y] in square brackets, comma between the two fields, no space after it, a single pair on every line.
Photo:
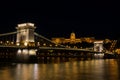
[47,39]
[6,34]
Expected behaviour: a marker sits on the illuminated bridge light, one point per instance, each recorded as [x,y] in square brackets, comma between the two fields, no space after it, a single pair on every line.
[50,45]
[26,43]
[18,44]
[44,44]
[12,42]
[56,45]
[19,51]
[98,46]
[25,24]
[32,52]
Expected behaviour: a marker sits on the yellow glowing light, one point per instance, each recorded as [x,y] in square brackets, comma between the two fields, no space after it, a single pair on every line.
[30,24]
[19,51]
[1,42]
[20,25]
[18,44]
[57,40]
[98,42]
[50,45]
[32,52]
[44,44]
[12,42]
[38,43]
[25,43]
[7,41]
[25,24]
[25,51]
[56,45]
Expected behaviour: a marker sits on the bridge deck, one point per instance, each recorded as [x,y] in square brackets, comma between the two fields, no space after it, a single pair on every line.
[49,48]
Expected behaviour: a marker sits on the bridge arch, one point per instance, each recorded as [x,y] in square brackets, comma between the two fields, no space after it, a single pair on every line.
[25,34]
[98,46]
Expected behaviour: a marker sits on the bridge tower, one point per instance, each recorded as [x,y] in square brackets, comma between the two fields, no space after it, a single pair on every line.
[25,34]
[98,46]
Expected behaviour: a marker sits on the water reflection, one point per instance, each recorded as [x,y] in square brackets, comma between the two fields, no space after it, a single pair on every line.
[26,72]
[108,69]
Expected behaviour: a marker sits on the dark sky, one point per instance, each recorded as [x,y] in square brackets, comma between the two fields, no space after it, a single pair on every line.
[59,19]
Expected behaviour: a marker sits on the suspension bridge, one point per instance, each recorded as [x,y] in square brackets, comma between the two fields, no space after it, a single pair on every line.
[25,41]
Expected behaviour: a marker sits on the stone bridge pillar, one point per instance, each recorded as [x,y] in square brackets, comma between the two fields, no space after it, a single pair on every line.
[98,46]
[25,34]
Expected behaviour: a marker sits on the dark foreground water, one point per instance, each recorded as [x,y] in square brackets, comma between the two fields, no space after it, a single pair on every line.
[100,69]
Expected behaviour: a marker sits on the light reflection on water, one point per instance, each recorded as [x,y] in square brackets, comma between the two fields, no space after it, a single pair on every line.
[108,69]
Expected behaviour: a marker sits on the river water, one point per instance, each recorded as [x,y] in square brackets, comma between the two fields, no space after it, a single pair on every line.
[96,69]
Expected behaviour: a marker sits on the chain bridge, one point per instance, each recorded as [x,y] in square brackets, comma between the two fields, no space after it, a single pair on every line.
[25,41]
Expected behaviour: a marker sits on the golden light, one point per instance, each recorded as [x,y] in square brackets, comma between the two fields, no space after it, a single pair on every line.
[117,51]
[50,45]
[1,42]
[30,24]
[32,52]
[44,44]
[25,24]
[19,51]
[18,44]
[38,43]
[20,25]
[56,45]
[12,42]
[57,40]
[7,41]
[25,51]
[25,43]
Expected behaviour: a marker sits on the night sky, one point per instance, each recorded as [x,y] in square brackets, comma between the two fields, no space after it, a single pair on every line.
[59,19]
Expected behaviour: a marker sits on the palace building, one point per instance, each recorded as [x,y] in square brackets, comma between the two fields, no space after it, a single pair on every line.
[72,39]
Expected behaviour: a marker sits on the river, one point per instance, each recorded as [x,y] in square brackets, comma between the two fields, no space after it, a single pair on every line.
[95,69]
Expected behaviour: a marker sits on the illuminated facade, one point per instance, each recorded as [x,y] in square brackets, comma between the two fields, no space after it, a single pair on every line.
[25,34]
[98,46]
[73,39]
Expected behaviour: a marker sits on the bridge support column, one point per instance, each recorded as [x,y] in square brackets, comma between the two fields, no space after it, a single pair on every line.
[25,34]
[98,46]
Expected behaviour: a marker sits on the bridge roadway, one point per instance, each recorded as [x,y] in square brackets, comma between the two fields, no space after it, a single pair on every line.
[48,48]
[8,53]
